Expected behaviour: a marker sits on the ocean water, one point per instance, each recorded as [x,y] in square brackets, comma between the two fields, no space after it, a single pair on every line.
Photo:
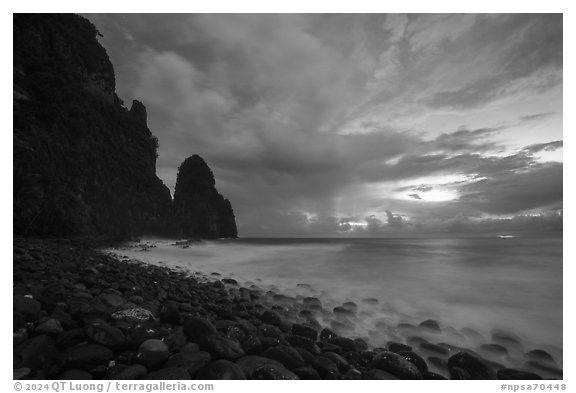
[484,283]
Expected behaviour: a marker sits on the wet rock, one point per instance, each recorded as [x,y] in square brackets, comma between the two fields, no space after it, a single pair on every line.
[307,356]
[312,302]
[370,301]
[304,331]
[189,348]
[352,374]
[472,365]
[434,349]
[458,373]
[432,376]
[304,343]
[507,339]
[75,374]
[136,334]
[396,365]
[415,341]
[223,348]
[398,347]
[343,342]
[85,355]
[191,361]
[342,364]
[510,373]
[327,334]
[325,367]
[152,353]
[171,373]
[438,363]
[269,342]
[252,345]
[270,331]
[70,338]
[286,355]
[271,318]
[430,325]
[307,373]
[125,372]
[472,335]
[493,349]
[50,327]
[377,374]
[198,329]
[351,306]
[342,312]
[135,314]
[170,313]
[221,370]
[272,372]
[415,359]
[229,281]
[35,353]
[546,370]
[540,356]
[360,344]
[104,334]
[27,307]
[249,364]
[112,300]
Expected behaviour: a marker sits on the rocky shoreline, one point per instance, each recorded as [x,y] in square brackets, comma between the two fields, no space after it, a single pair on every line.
[82,314]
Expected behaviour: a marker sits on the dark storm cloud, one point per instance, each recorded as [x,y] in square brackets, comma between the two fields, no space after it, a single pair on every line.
[272,102]
[537,48]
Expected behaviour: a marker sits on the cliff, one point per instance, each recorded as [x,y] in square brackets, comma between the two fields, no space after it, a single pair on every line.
[84,164]
[199,210]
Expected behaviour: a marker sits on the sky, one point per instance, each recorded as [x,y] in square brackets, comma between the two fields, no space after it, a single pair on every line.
[355,124]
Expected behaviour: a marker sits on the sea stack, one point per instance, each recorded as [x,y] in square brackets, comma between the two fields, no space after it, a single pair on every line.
[200,211]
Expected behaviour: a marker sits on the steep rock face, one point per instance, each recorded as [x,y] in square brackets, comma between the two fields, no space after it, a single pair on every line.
[83,163]
[199,210]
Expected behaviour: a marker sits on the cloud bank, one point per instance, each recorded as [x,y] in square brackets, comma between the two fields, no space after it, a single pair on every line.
[321,125]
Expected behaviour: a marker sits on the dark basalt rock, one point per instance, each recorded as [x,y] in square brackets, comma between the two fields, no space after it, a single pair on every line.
[434,349]
[398,347]
[152,353]
[87,355]
[430,325]
[415,359]
[325,367]
[305,331]
[75,375]
[377,374]
[472,365]
[493,349]
[171,373]
[327,334]
[104,334]
[345,343]
[510,373]
[396,365]
[540,355]
[286,355]
[198,329]
[199,210]
[27,307]
[125,372]
[75,141]
[221,370]
[342,364]
[306,373]
[273,372]
[35,353]
[271,318]
[224,348]
[192,362]
[432,376]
